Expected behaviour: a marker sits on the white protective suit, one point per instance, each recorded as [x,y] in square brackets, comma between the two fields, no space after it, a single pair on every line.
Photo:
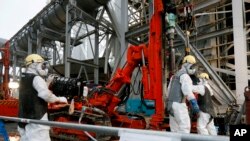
[36,132]
[205,123]
[180,122]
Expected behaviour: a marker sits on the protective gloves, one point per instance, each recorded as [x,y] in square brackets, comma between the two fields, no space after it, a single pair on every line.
[62,100]
[50,78]
[59,103]
[194,106]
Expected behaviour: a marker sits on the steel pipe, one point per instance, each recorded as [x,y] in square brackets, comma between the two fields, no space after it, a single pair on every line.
[115,131]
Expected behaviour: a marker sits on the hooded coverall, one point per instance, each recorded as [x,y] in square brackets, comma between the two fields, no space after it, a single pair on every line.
[34,96]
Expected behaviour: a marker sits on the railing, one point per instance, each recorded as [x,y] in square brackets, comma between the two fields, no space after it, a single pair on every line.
[124,133]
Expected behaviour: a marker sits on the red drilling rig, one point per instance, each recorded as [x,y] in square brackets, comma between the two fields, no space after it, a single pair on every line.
[8,105]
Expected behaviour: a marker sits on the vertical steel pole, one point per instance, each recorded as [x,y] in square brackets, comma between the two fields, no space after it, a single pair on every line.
[96,56]
[240,50]
[67,43]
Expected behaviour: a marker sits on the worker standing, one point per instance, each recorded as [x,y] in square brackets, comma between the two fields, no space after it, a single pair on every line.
[205,121]
[180,89]
[34,96]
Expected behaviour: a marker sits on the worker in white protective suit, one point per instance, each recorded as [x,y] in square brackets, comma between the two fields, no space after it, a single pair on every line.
[181,88]
[34,97]
[205,121]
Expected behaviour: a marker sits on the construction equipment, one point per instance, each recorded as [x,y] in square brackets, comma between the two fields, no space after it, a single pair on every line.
[8,105]
[108,98]
[6,63]
[100,105]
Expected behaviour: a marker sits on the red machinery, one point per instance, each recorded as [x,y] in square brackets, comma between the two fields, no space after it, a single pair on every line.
[8,105]
[6,63]
[105,102]
[102,103]
[152,77]
[150,56]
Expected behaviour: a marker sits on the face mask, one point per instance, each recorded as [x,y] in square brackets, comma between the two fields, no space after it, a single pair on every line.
[203,81]
[42,69]
[190,68]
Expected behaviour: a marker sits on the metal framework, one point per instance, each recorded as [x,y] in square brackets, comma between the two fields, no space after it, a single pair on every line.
[75,38]
[215,37]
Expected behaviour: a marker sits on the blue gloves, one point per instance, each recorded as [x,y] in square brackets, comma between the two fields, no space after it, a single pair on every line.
[194,106]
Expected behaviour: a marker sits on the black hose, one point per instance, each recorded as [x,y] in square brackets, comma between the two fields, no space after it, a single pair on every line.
[125,95]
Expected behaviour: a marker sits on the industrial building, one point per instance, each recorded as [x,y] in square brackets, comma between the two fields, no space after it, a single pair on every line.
[124,52]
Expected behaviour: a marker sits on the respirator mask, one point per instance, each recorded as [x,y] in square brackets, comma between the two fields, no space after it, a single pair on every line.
[42,68]
[190,68]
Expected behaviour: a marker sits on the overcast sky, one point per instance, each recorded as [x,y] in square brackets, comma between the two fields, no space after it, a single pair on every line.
[14,14]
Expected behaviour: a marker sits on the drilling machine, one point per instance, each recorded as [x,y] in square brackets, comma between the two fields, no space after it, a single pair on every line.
[99,106]
[149,57]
